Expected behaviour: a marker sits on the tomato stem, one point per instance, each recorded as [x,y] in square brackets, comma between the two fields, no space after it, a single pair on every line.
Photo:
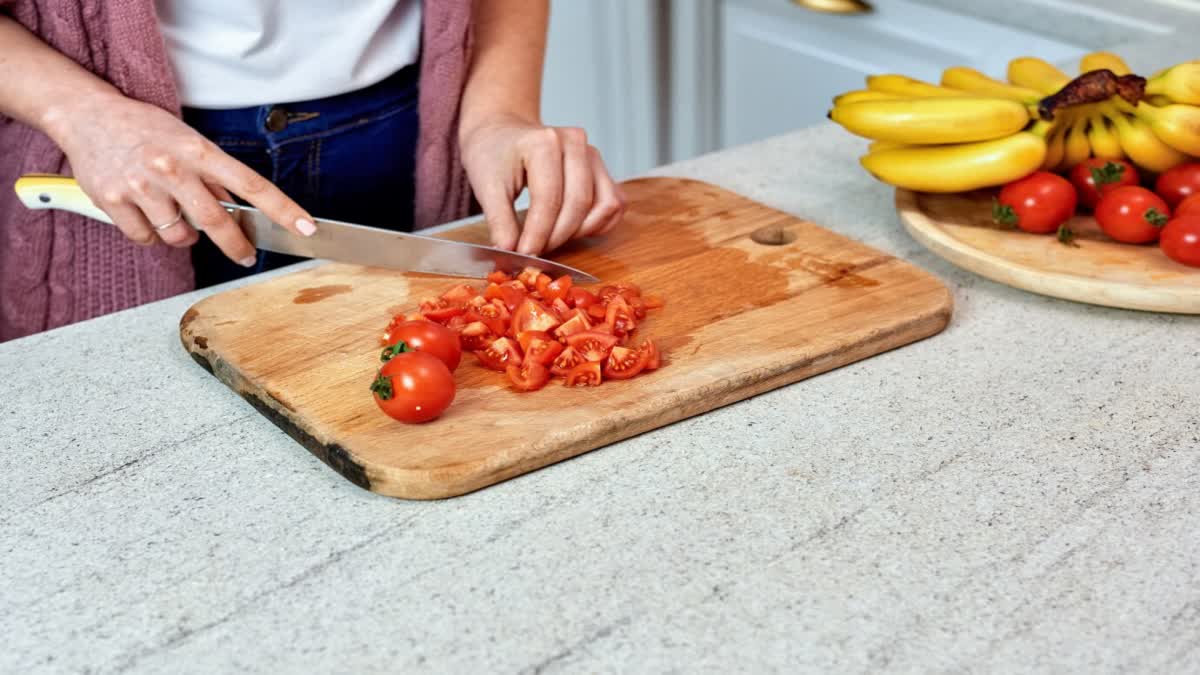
[1066,236]
[1111,172]
[398,348]
[381,386]
[1155,217]
[1003,214]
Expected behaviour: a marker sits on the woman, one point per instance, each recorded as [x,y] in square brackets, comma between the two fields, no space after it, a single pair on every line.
[161,107]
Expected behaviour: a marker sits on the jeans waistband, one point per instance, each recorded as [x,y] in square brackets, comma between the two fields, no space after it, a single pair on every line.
[273,124]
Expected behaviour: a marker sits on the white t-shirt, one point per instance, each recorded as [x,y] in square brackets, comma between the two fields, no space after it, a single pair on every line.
[238,53]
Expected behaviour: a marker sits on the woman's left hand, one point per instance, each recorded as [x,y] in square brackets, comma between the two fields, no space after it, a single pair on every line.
[571,194]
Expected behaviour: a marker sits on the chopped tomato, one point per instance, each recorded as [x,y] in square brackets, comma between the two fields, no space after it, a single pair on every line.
[559,289]
[498,277]
[476,335]
[565,361]
[620,317]
[497,325]
[496,315]
[529,277]
[624,363]
[592,345]
[652,358]
[578,323]
[597,311]
[457,323]
[444,314]
[500,354]
[584,375]
[581,297]
[607,293]
[560,308]
[459,294]
[539,346]
[511,297]
[541,284]
[529,376]
[533,315]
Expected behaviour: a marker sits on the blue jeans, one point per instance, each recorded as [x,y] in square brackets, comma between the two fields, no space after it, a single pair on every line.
[349,157]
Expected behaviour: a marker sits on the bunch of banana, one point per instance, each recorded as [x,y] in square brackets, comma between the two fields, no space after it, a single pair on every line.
[971,131]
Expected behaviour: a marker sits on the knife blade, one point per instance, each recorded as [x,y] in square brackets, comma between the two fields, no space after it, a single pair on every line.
[333,240]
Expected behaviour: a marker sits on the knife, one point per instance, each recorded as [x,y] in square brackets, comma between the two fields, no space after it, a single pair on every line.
[334,240]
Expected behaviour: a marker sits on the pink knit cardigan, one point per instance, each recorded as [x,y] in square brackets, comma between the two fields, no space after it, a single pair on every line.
[56,268]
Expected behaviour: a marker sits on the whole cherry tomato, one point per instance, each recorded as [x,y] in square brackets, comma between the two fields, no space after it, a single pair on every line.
[1180,240]
[1132,214]
[1038,203]
[1096,176]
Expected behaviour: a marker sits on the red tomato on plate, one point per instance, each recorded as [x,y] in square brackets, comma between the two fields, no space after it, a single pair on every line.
[1132,215]
[1178,183]
[1180,239]
[1038,203]
[1094,177]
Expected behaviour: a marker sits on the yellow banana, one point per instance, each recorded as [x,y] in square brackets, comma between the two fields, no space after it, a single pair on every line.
[1140,143]
[1158,100]
[975,82]
[876,146]
[904,85]
[961,166]
[1180,84]
[1102,138]
[1177,125]
[862,95]
[930,121]
[1056,144]
[1104,61]
[1076,146]
[1035,73]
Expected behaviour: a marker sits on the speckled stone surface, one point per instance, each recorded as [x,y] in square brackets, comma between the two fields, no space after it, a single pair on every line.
[1017,494]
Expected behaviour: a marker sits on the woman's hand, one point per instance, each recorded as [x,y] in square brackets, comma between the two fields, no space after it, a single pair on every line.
[143,167]
[571,193]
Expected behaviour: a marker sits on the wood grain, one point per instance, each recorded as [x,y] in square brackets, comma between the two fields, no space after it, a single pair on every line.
[741,318]
[1099,271]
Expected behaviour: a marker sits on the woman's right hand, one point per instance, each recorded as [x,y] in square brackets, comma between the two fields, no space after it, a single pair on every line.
[143,166]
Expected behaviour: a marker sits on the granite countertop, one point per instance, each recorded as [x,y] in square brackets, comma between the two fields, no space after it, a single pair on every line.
[1018,493]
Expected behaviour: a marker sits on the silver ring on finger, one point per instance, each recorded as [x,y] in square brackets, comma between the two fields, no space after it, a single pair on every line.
[174,221]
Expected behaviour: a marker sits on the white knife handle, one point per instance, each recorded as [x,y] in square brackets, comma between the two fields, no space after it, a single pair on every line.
[45,191]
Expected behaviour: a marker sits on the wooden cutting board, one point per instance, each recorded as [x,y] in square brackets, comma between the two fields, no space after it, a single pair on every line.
[755,299]
[1099,271]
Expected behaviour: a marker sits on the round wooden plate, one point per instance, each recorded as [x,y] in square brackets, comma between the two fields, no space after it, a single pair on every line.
[1099,271]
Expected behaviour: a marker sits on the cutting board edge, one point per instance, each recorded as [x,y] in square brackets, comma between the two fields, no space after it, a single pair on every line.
[457,480]
[1145,297]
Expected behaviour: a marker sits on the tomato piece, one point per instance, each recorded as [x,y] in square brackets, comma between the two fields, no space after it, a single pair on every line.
[1132,214]
[476,335]
[565,361]
[426,336]
[457,323]
[559,289]
[597,311]
[584,375]
[496,316]
[529,376]
[620,317]
[1038,203]
[511,297]
[525,338]
[1095,177]
[607,293]
[1180,240]
[578,323]
[413,387]
[500,354]
[497,277]
[533,315]
[460,294]
[638,305]
[496,325]
[541,284]
[444,314]
[529,276]
[592,345]
[560,308]
[1188,206]
[653,360]
[1178,183]
[581,297]
[623,363]
[539,346]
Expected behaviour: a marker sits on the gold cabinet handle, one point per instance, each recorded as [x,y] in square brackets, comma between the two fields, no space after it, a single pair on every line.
[836,6]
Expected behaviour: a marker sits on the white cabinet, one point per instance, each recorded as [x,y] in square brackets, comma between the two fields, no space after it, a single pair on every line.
[781,64]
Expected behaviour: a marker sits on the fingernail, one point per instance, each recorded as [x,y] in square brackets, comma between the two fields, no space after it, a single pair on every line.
[248,261]
[306,227]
